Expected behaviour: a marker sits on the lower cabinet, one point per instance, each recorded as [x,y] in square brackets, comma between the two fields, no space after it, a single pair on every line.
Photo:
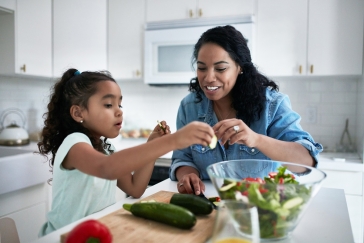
[28,208]
[352,183]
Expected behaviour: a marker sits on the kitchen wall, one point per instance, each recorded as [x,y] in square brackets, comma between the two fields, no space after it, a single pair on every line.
[360,116]
[27,94]
[323,102]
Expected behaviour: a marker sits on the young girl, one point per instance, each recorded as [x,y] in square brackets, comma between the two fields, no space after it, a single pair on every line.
[83,108]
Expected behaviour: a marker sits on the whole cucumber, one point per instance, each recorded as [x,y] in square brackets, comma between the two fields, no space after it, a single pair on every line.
[164,213]
[195,204]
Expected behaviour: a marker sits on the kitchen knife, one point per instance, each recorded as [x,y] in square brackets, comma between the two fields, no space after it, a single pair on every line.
[204,197]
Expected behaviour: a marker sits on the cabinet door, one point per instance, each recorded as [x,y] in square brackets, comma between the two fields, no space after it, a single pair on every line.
[29,221]
[281,37]
[125,51]
[160,10]
[7,4]
[335,38]
[80,35]
[33,37]
[218,8]
[355,208]
[350,181]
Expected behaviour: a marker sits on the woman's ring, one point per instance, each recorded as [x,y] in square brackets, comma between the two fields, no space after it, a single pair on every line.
[181,184]
[236,129]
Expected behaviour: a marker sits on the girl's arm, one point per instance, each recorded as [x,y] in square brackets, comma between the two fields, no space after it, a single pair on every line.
[136,183]
[85,158]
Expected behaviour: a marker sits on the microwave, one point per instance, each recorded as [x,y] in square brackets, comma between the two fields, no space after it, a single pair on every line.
[168,47]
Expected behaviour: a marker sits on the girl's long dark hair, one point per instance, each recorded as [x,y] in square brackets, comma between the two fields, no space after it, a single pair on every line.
[248,94]
[73,88]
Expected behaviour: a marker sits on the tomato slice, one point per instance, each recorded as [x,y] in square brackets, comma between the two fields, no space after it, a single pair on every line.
[272,174]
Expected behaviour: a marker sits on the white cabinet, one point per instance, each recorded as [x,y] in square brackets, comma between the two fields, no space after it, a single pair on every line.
[125,38]
[34,37]
[79,35]
[161,10]
[26,39]
[7,4]
[352,183]
[335,38]
[309,37]
[218,8]
[28,208]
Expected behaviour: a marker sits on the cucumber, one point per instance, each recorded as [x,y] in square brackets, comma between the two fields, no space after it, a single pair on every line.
[164,213]
[195,204]
[213,143]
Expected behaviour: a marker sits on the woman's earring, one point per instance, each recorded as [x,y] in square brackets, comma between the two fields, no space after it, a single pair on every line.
[241,72]
[81,121]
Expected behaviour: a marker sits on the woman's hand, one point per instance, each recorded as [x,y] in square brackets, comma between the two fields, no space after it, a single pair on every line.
[235,131]
[189,181]
[159,131]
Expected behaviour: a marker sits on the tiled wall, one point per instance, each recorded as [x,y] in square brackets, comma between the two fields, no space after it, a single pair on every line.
[332,100]
[30,95]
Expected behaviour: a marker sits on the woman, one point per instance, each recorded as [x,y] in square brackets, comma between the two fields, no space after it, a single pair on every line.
[251,119]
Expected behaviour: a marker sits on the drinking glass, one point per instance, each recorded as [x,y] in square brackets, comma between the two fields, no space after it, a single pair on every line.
[236,222]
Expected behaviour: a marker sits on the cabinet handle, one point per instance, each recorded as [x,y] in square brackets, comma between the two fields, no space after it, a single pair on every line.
[300,69]
[23,68]
[191,13]
[311,69]
[200,12]
[138,73]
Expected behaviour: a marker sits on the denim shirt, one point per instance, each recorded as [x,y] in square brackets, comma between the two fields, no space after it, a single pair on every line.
[277,120]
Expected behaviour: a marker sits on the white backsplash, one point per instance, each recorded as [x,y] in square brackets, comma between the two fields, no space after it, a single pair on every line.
[323,102]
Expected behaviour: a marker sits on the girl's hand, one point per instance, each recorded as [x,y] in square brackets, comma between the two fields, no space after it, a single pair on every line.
[190,184]
[235,131]
[159,131]
[194,133]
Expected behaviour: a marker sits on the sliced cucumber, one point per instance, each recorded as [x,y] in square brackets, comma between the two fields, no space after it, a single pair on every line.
[213,143]
[228,186]
[293,202]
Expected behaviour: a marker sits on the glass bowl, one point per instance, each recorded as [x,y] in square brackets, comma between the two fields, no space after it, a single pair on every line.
[280,190]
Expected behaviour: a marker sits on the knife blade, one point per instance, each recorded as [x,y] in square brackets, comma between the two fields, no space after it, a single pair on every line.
[203,196]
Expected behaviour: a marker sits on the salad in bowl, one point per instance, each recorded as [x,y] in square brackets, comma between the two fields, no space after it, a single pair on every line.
[281,191]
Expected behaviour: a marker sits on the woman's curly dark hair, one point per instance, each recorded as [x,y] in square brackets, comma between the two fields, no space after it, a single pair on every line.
[248,94]
[73,88]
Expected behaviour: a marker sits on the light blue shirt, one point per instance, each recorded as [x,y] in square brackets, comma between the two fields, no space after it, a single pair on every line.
[75,194]
[277,120]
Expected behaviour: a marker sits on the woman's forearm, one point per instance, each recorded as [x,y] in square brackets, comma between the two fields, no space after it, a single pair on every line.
[284,151]
[184,170]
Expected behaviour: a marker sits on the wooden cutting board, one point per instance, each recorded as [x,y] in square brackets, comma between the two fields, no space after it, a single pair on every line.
[126,227]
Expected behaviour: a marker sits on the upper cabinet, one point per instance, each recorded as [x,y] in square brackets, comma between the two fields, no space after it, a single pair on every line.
[7,4]
[309,37]
[79,35]
[335,38]
[163,10]
[125,38]
[26,38]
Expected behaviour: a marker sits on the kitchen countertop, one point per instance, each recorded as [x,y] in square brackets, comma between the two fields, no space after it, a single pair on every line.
[326,218]
[327,160]
[340,161]
[20,168]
